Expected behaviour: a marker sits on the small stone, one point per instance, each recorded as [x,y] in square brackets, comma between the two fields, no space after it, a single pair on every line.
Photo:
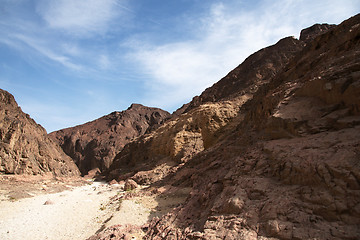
[130,185]
[49,202]
[113,182]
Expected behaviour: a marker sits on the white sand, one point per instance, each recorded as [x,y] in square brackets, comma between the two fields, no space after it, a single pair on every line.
[74,214]
[131,212]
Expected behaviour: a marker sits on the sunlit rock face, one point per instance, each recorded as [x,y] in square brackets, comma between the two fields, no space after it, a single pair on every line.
[275,153]
[25,147]
[94,144]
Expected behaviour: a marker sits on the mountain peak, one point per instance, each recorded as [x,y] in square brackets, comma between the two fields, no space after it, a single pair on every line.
[135,106]
[307,34]
[107,134]
[25,147]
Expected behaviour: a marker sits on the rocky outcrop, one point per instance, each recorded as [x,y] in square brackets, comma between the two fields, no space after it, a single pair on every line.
[25,147]
[290,170]
[203,122]
[280,160]
[152,156]
[308,34]
[95,144]
[255,71]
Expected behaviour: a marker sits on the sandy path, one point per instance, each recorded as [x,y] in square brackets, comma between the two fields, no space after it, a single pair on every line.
[74,214]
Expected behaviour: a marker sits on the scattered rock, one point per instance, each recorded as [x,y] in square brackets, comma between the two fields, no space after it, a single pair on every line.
[130,185]
[93,173]
[119,232]
[49,202]
[113,182]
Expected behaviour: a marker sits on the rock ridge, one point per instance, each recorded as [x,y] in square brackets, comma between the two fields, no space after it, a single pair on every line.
[93,145]
[25,147]
[275,161]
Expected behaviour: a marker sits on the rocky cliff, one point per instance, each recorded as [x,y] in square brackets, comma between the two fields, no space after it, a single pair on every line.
[24,145]
[270,152]
[209,117]
[290,168]
[257,69]
[94,144]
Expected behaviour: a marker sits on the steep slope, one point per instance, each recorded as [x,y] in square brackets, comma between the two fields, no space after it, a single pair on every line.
[281,159]
[25,147]
[95,144]
[257,69]
[290,169]
[172,144]
[203,122]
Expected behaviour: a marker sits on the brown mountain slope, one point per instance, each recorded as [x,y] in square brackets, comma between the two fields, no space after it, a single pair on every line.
[257,69]
[281,163]
[24,145]
[291,167]
[95,144]
[203,122]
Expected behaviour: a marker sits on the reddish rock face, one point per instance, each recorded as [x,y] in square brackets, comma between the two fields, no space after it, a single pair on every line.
[290,169]
[286,166]
[257,69]
[308,34]
[201,123]
[95,144]
[25,147]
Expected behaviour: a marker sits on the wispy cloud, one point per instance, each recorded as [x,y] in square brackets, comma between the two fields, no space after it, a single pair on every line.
[79,18]
[70,36]
[104,62]
[221,40]
[105,54]
[41,48]
[71,49]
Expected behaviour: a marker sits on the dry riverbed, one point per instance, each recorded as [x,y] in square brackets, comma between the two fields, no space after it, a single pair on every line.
[77,209]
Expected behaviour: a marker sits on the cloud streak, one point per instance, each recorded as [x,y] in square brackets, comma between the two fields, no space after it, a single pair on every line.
[79,18]
[39,46]
[94,56]
[222,39]
[68,39]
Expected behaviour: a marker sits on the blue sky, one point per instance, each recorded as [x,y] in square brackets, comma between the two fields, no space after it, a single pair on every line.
[71,61]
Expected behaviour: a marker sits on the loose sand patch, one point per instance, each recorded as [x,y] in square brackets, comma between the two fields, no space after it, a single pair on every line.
[52,209]
[71,214]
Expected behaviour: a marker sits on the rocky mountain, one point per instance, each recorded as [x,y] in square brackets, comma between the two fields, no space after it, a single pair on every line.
[25,147]
[272,151]
[257,69]
[94,144]
[205,120]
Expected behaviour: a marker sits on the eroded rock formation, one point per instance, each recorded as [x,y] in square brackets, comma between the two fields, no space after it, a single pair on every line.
[94,144]
[272,151]
[290,169]
[25,147]
[204,121]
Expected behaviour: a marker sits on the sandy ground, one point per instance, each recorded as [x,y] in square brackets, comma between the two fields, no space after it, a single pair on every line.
[71,214]
[77,209]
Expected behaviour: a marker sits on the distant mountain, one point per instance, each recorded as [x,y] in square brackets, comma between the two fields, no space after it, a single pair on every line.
[271,151]
[25,147]
[94,144]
